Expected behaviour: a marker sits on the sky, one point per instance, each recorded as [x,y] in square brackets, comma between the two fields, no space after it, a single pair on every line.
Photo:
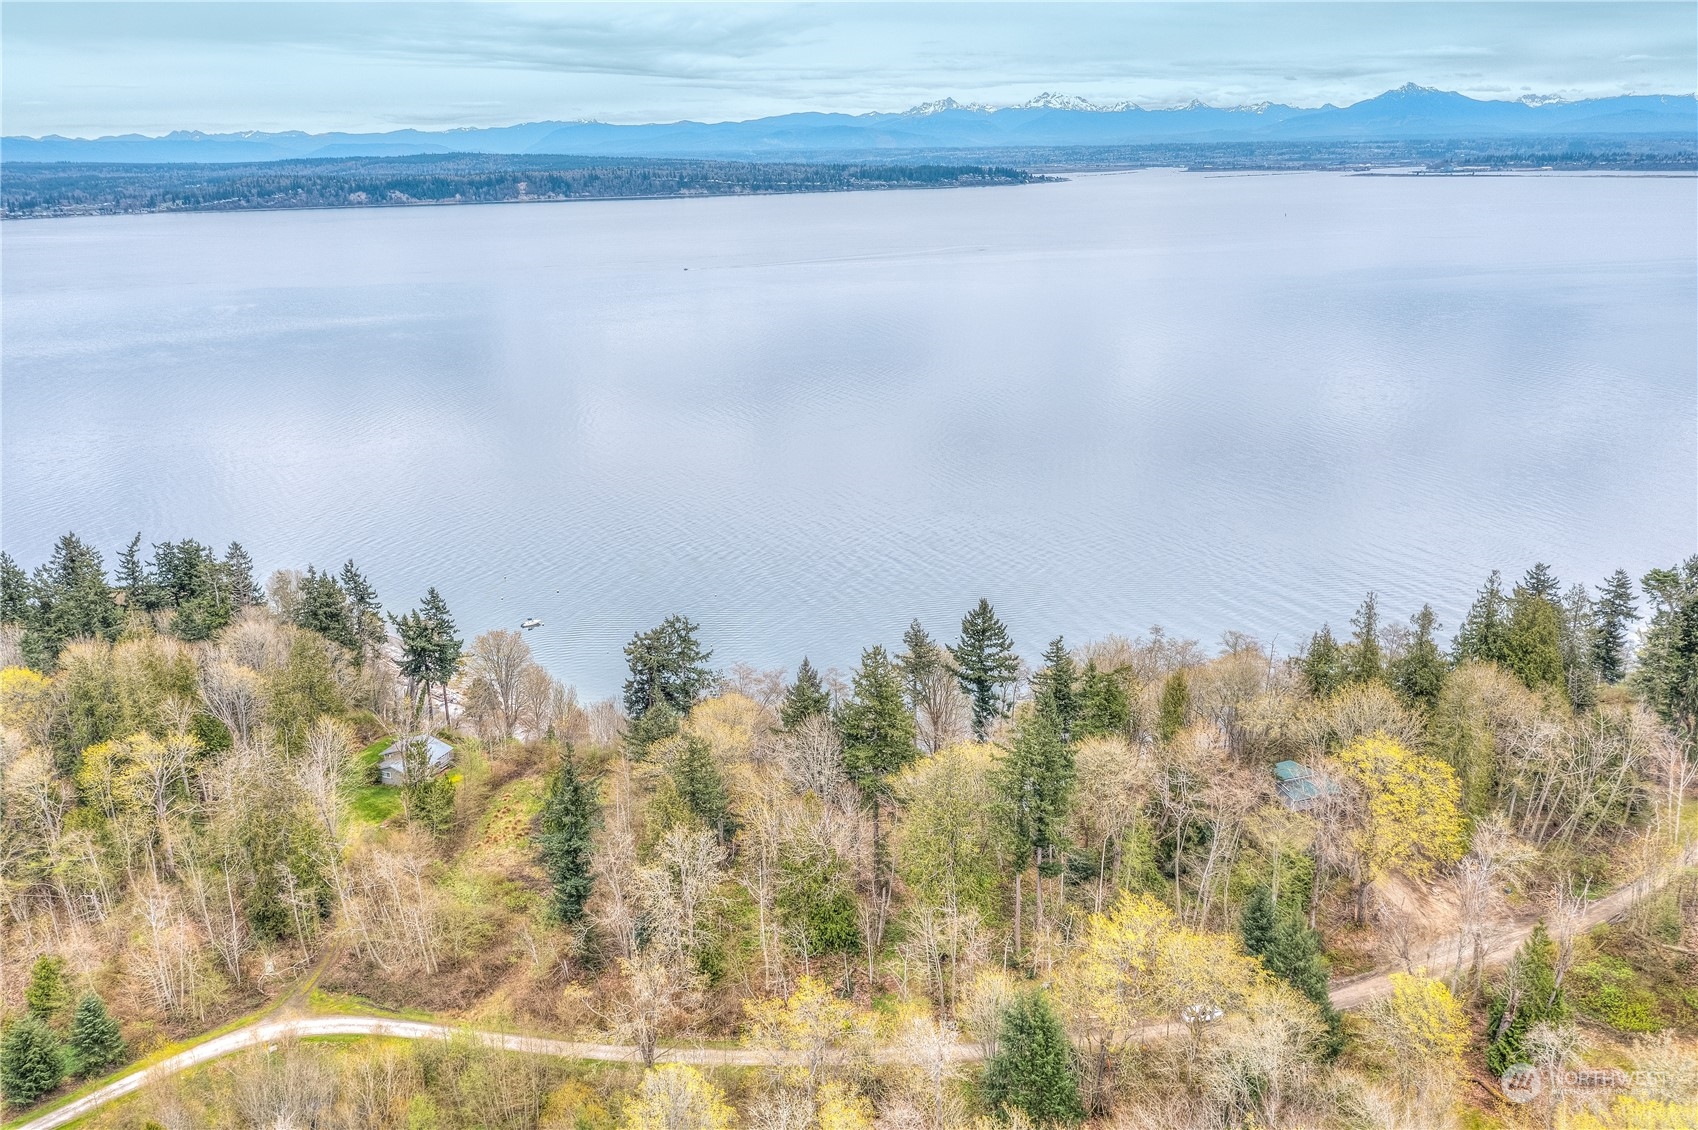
[88,70]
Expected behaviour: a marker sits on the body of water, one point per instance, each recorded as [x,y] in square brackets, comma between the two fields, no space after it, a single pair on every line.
[1233,402]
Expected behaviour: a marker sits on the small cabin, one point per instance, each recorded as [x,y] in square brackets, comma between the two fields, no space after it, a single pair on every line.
[392,766]
[1299,787]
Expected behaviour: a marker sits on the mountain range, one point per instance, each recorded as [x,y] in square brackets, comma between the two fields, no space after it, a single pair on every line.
[1409,112]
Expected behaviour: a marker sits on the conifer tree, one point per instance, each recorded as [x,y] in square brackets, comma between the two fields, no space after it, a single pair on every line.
[14,592]
[1481,637]
[1056,688]
[447,646]
[1035,781]
[1615,611]
[878,736]
[921,659]
[1530,995]
[239,576]
[1323,664]
[1033,1069]
[323,608]
[1541,582]
[1419,673]
[32,1060]
[1532,639]
[1668,661]
[1579,645]
[140,594]
[1104,706]
[701,787]
[72,599]
[666,662]
[96,1042]
[985,664]
[1257,923]
[1175,705]
[47,994]
[806,698]
[365,614]
[568,817]
[1364,660]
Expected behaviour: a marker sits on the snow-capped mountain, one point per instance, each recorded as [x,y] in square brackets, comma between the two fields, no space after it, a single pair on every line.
[1051,119]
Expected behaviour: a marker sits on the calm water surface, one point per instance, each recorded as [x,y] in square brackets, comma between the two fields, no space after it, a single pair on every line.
[1209,402]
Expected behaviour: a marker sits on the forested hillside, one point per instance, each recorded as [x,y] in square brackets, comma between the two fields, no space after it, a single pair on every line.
[971,881]
[454,178]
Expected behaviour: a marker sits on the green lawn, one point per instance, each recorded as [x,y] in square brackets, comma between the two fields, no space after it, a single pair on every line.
[373,803]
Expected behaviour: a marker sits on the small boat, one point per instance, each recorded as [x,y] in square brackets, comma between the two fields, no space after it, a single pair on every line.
[533,622]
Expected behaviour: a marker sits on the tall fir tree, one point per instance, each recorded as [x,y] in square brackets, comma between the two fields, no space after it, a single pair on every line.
[878,737]
[1365,659]
[1056,688]
[15,592]
[1323,664]
[1667,674]
[569,814]
[1257,922]
[921,659]
[701,786]
[1616,612]
[1291,951]
[1532,639]
[1541,582]
[1529,995]
[1419,674]
[1175,708]
[323,608]
[32,1060]
[1105,707]
[72,599]
[1481,637]
[365,614]
[1579,645]
[96,1042]
[1033,1071]
[448,646]
[806,698]
[986,666]
[239,575]
[668,663]
[47,994]
[140,593]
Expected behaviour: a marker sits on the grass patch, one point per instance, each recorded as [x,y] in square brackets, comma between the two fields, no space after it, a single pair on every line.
[371,803]
[324,1003]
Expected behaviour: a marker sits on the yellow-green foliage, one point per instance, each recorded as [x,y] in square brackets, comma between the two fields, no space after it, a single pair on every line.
[1413,820]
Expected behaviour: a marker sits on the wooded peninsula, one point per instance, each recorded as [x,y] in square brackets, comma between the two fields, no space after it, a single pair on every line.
[1130,882]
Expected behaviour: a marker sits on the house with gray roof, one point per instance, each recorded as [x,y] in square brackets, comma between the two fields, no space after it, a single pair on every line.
[392,766]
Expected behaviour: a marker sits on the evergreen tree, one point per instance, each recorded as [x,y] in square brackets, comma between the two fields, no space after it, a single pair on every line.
[47,994]
[1257,922]
[806,698]
[1532,639]
[15,593]
[96,1042]
[658,723]
[1033,1069]
[1323,664]
[1291,951]
[1056,688]
[1541,582]
[32,1061]
[667,663]
[140,593]
[72,599]
[1579,646]
[1419,673]
[1530,995]
[323,608]
[1175,705]
[418,652]
[921,660]
[239,577]
[1364,660]
[1104,706]
[365,614]
[569,813]
[878,737]
[449,647]
[1615,611]
[1035,779]
[701,787]
[985,665]
[1481,637]
[1668,661]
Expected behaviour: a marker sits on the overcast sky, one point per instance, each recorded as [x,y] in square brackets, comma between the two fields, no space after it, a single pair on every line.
[87,70]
